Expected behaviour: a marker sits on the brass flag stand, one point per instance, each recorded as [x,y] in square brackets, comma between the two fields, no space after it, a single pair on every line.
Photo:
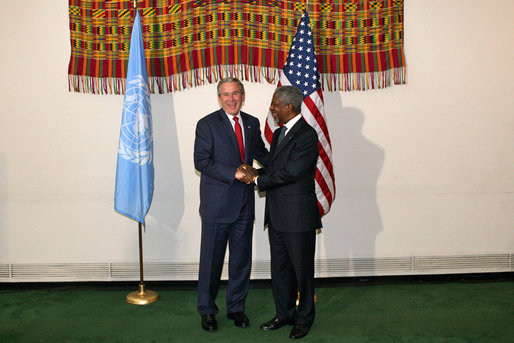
[143,296]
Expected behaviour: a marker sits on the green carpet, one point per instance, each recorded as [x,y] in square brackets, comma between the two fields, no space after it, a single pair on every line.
[435,312]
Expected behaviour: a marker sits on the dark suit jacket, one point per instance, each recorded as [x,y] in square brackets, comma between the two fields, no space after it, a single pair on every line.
[216,156]
[291,203]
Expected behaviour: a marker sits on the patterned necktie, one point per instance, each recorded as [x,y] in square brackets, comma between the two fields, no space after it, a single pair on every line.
[239,137]
[281,135]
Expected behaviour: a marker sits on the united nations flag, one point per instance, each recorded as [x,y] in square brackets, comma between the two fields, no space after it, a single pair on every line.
[135,171]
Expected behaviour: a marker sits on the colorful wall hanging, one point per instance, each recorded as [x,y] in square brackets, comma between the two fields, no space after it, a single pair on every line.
[359,43]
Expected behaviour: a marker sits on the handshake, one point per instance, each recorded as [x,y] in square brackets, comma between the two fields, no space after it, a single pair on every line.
[246,174]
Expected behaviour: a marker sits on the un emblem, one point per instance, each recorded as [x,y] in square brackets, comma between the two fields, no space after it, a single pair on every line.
[136,141]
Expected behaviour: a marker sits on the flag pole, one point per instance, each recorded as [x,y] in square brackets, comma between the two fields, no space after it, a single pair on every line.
[142,296]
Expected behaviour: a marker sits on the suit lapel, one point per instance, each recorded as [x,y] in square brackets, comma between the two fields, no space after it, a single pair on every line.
[288,138]
[273,145]
[226,127]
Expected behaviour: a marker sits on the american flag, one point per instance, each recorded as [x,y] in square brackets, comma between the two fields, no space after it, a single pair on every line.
[301,71]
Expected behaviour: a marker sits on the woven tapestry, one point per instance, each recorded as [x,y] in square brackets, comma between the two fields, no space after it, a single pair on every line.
[359,43]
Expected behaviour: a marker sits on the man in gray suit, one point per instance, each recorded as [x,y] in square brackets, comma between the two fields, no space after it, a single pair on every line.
[291,212]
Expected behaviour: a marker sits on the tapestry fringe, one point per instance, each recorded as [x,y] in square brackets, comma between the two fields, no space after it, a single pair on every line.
[363,81]
[202,76]
[96,85]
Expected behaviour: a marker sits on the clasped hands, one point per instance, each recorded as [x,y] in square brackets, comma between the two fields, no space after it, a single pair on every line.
[246,174]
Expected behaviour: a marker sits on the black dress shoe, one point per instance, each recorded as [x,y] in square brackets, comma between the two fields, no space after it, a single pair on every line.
[274,324]
[240,319]
[299,331]
[209,323]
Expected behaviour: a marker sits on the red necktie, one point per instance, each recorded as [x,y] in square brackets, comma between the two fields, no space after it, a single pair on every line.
[239,137]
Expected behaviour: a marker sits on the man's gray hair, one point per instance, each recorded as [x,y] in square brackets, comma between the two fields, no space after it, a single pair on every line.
[290,95]
[231,79]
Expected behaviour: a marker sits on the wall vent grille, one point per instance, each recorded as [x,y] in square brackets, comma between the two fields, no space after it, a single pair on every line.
[463,263]
[260,270]
[60,271]
[155,271]
[175,271]
[4,270]
[363,266]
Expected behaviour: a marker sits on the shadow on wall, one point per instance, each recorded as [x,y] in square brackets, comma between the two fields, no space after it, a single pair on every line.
[167,206]
[358,163]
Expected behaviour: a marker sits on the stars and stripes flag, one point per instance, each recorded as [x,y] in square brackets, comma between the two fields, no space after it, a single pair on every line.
[301,71]
[135,171]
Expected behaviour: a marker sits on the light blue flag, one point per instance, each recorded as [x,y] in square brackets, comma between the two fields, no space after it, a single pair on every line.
[135,171]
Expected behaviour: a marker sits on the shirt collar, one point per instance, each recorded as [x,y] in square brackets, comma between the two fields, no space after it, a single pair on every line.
[292,121]
[229,116]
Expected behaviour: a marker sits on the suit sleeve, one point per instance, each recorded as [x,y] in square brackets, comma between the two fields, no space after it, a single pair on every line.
[261,153]
[303,155]
[204,159]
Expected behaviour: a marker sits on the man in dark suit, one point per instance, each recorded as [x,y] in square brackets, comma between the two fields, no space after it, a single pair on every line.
[227,141]
[291,212]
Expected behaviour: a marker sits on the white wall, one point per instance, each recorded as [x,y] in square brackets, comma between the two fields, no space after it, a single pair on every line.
[423,169]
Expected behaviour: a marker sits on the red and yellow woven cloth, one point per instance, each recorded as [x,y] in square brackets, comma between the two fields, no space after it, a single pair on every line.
[358,43]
